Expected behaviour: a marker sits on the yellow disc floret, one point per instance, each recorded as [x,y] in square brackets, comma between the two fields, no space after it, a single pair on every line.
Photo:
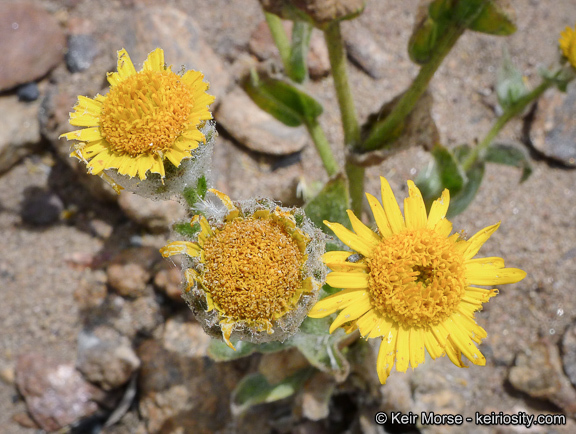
[146,112]
[417,278]
[253,270]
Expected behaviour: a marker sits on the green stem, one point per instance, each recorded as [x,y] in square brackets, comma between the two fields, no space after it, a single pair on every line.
[280,39]
[355,176]
[338,63]
[510,113]
[322,146]
[383,131]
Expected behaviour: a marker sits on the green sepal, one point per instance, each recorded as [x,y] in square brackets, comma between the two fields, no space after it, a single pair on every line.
[196,193]
[494,20]
[301,33]
[509,155]
[282,100]
[186,229]
[220,352]
[444,171]
[510,86]
[254,389]
[330,204]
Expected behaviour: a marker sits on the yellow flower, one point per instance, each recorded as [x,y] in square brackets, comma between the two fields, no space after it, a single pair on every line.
[567,43]
[410,283]
[254,269]
[147,117]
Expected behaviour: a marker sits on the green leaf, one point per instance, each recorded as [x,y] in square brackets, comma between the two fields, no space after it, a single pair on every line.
[322,349]
[460,202]
[330,204]
[561,77]
[282,100]
[510,86]
[494,20]
[442,172]
[301,33]
[254,389]
[221,352]
[509,155]
[423,41]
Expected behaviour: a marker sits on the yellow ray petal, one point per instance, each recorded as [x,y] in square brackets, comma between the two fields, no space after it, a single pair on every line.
[350,239]
[181,248]
[379,216]
[416,346]
[340,300]
[368,321]
[463,342]
[466,322]
[391,207]
[125,68]
[352,312]
[478,240]
[479,295]
[403,349]
[454,353]
[493,276]
[443,227]
[204,224]
[227,329]
[154,61]
[432,346]
[382,329]
[439,209]
[386,355]
[347,267]
[414,208]
[347,280]
[362,230]
[336,256]
[84,135]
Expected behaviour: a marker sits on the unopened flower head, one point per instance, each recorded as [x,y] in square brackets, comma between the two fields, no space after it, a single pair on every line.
[411,287]
[254,269]
[567,43]
[148,119]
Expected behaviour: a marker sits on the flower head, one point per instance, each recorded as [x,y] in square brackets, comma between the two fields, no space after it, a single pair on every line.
[254,269]
[567,43]
[146,118]
[411,285]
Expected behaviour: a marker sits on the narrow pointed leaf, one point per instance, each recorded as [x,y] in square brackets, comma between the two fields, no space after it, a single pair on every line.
[330,204]
[460,202]
[509,155]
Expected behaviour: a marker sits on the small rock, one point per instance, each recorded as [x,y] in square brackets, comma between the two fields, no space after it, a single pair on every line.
[569,353]
[181,392]
[81,52]
[55,393]
[105,357]
[257,130]
[131,270]
[262,45]
[41,207]
[157,216]
[19,130]
[185,338]
[282,364]
[91,290]
[181,39]
[313,400]
[128,317]
[31,43]
[7,375]
[169,280]
[25,420]
[363,50]
[538,372]
[553,129]
[28,92]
